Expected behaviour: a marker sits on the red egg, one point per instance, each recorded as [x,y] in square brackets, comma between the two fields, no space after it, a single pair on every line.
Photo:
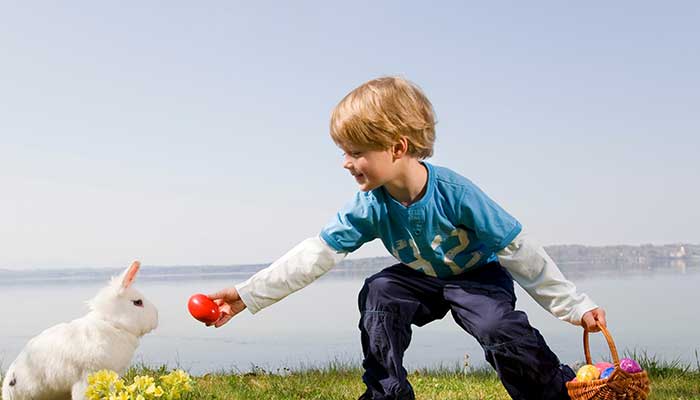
[203,308]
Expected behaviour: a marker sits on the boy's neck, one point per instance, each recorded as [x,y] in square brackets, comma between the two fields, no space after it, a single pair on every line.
[410,183]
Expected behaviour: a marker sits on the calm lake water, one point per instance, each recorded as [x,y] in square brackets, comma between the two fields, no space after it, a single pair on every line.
[653,310]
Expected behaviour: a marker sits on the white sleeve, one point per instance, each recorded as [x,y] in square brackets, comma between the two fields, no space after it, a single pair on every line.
[537,273]
[298,268]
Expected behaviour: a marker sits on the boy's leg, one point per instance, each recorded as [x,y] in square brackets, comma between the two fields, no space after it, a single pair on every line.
[389,302]
[483,304]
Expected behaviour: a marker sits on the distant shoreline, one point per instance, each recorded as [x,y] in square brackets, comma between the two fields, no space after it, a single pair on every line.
[562,254]
[574,260]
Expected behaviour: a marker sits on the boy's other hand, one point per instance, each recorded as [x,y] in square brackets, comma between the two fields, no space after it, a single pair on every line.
[229,303]
[588,321]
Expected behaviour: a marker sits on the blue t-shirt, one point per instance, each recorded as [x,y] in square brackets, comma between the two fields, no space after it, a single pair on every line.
[454,227]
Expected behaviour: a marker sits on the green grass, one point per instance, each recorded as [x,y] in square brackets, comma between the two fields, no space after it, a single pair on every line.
[671,380]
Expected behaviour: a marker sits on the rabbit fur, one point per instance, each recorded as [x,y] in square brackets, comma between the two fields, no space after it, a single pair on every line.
[55,364]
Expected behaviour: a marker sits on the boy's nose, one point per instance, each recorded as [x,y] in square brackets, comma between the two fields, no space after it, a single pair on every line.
[347,164]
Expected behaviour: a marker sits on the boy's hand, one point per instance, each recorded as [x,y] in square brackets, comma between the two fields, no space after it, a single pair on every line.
[229,303]
[588,321]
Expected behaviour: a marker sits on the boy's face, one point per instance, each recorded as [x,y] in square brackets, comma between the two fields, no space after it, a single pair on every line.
[370,168]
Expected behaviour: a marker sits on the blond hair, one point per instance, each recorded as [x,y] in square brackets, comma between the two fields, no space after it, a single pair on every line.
[381,111]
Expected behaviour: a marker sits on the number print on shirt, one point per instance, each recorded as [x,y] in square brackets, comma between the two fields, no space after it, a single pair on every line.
[419,263]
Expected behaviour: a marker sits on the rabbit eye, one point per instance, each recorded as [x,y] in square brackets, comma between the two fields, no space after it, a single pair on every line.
[138,303]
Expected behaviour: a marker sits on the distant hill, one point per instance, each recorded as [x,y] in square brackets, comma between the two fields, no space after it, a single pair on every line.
[572,259]
[645,254]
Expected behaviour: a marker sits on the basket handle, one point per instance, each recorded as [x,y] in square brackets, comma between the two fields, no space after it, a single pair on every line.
[608,338]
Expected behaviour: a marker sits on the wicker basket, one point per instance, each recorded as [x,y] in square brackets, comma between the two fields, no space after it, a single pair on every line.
[620,384]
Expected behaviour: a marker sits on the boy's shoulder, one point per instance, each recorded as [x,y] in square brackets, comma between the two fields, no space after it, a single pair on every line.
[452,180]
[456,191]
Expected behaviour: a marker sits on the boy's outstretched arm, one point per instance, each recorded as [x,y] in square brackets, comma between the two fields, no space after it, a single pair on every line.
[230,304]
[537,273]
[299,267]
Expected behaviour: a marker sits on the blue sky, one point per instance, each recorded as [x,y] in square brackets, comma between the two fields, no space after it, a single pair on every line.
[190,133]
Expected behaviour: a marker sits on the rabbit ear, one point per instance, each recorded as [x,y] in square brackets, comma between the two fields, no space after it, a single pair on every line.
[130,274]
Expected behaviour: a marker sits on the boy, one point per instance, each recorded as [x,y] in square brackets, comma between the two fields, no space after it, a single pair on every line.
[459,252]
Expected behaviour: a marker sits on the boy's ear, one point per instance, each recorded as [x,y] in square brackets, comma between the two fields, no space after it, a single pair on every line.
[400,148]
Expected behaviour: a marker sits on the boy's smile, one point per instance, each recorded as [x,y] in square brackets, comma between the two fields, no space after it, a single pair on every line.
[370,168]
[403,176]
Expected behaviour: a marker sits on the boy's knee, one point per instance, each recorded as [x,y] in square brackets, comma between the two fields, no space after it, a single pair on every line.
[494,330]
[490,330]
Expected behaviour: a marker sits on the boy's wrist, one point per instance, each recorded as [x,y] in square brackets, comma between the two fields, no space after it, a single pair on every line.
[244,292]
[581,309]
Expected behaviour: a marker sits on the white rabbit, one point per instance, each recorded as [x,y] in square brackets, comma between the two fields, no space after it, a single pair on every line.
[55,364]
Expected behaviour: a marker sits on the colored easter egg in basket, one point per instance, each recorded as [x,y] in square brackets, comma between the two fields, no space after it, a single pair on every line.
[602,366]
[607,372]
[629,365]
[203,308]
[587,373]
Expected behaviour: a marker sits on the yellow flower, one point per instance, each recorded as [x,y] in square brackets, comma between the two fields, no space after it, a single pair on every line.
[152,389]
[102,376]
[143,382]
[158,392]
[92,394]
[176,383]
[106,385]
[119,396]
[101,384]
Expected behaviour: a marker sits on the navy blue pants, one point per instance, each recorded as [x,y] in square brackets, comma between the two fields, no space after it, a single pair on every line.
[482,302]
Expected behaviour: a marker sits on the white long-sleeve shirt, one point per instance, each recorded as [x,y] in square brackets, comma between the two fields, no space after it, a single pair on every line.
[537,273]
[526,261]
